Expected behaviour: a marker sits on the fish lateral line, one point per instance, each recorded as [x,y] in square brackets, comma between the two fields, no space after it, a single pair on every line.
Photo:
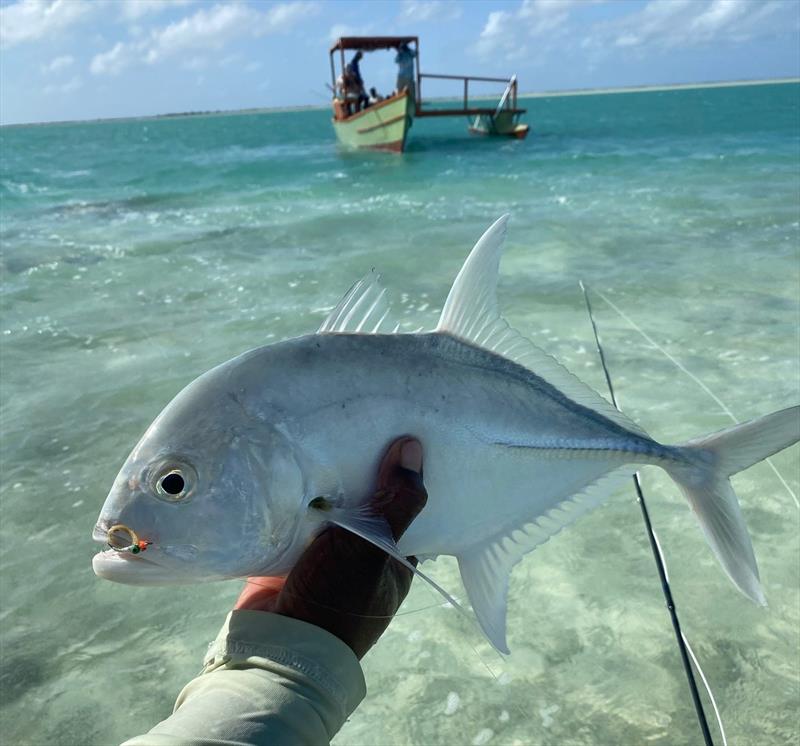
[654,453]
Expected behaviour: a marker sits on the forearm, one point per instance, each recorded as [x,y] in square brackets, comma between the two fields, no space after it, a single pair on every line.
[267,679]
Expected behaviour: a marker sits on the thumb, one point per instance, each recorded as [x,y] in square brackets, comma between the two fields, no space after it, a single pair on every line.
[400,482]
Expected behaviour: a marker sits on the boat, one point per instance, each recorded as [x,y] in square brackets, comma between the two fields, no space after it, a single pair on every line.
[384,124]
[505,120]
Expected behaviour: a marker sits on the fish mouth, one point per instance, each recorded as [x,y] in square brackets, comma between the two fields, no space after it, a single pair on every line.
[131,569]
[157,568]
[126,567]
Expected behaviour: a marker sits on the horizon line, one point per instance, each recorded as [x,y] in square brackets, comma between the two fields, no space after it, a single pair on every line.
[607,90]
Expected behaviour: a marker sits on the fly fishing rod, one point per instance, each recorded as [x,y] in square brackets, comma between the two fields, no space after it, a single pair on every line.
[662,571]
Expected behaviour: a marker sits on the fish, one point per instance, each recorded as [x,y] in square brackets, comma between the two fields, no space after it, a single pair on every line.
[255,457]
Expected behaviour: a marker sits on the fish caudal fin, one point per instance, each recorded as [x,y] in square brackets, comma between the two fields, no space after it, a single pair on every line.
[705,483]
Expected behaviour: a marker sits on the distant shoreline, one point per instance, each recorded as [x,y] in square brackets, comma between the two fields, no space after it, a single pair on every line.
[318,107]
[666,87]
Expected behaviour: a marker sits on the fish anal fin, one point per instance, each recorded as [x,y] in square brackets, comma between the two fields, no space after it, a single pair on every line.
[486,567]
[485,570]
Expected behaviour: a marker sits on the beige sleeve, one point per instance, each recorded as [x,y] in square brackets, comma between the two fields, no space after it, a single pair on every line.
[267,679]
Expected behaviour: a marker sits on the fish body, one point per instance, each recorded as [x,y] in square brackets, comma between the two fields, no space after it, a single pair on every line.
[525,447]
[516,448]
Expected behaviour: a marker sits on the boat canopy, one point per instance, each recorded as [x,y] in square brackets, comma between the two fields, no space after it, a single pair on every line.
[371,43]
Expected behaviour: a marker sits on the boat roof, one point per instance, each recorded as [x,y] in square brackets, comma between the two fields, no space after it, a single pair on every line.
[371,43]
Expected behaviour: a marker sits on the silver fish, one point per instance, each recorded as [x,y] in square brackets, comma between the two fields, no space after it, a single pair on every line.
[226,481]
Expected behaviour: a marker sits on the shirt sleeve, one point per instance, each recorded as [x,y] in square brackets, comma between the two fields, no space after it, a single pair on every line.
[267,679]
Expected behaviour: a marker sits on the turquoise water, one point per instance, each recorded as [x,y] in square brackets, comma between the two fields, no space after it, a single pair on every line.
[138,254]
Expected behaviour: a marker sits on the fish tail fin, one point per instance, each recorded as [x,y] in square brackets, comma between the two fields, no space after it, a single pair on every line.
[704,478]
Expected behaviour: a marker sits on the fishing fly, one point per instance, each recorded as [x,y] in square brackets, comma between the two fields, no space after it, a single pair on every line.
[121,538]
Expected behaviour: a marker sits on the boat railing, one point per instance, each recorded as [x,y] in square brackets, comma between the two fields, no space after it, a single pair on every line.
[504,99]
[508,100]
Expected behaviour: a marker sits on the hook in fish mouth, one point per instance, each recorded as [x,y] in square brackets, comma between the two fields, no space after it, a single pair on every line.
[122,560]
[121,538]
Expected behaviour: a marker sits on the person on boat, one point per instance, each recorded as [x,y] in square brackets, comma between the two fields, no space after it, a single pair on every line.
[284,669]
[355,83]
[374,97]
[405,69]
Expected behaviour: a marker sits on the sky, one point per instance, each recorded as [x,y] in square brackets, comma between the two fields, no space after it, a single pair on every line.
[85,59]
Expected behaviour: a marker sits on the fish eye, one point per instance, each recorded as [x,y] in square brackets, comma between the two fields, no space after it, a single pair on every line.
[174,482]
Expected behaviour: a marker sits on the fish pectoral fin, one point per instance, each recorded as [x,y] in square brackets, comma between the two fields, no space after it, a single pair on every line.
[363,522]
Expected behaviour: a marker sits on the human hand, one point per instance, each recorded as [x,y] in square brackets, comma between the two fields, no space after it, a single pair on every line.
[342,583]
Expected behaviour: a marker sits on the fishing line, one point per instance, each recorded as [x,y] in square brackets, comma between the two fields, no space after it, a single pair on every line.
[708,689]
[683,645]
[525,716]
[440,604]
[702,385]
[345,611]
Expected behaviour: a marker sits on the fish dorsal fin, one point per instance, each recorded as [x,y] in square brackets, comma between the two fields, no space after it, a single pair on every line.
[486,567]
[364,309]
[471,314]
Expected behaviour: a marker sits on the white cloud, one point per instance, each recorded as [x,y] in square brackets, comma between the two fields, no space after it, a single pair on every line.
[252,67]
[420,11]
[686,23]
[30,20]
[58,64]
[70,86]
[506,33]
[209,28]
[719,14]
[342,29]
[134,9]
[114,61]
[206,28]
[282,17]
[542,16]
[498,34]
[660,24]
[216,26]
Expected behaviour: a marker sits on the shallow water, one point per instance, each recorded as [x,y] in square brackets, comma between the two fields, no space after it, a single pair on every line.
[138,254]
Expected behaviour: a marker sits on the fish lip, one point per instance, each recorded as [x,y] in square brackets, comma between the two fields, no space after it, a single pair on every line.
[113,555]
[120,566]
[128,568]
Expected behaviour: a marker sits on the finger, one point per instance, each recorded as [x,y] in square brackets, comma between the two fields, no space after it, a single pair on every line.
[404,453]
[400,477]
[260,593]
